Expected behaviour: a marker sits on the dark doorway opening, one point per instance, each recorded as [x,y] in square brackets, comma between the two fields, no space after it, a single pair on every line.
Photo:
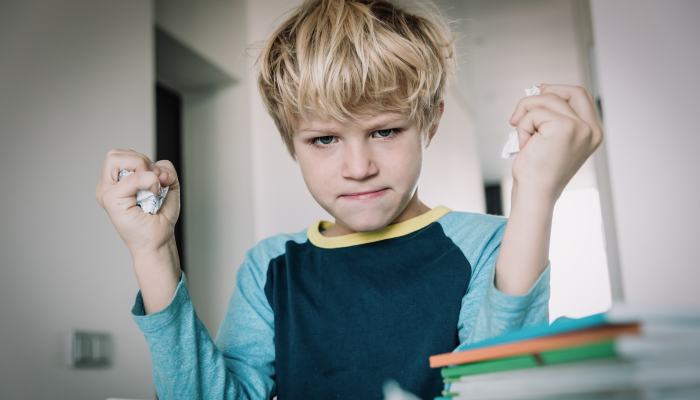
[169,146]
[494,203]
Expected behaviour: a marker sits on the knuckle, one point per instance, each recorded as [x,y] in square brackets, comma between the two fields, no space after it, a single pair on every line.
[112,153]
[581,91]
[598,137]
[167,165]
[104,199]
[550,97]
[151,178]
[145,161]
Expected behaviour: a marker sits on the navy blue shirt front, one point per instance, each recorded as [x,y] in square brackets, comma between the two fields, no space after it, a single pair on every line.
[355,317]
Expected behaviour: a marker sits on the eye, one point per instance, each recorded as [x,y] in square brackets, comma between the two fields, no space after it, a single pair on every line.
[383,133]
[324,140]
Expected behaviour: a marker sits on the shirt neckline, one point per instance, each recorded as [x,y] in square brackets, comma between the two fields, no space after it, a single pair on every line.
[388,232]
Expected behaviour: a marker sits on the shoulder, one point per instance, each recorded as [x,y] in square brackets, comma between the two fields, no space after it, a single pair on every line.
[274,246]
[472,224]
[258,258]
[473,232]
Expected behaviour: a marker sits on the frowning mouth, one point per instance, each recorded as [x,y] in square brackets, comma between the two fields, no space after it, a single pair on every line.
[364,195]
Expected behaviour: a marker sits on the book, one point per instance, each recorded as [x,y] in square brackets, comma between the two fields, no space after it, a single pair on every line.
[526,344]
[613,375]
[628,352]
[653,319]
[594,351]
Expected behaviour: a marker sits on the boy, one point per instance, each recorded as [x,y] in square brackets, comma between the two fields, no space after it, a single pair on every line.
[356,90]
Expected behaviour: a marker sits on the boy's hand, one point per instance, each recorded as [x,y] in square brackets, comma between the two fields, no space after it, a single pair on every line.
[142,232]
[558,131]
[149,237]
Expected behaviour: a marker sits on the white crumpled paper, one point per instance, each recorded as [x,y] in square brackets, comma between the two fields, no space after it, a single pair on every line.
[512,146]
[149,202]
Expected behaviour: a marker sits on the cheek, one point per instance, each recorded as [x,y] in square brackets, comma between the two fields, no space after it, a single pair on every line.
[403,163]
[317,173]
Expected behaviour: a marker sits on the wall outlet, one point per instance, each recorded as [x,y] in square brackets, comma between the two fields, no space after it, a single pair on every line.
[90,349]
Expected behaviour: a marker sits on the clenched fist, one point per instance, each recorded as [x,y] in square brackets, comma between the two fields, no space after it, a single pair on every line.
[149,237]
[558,130]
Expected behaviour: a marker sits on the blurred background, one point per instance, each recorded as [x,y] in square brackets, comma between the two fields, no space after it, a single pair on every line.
[174,79]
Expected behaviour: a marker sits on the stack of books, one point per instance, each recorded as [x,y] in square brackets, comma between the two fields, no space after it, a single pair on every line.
[625,353]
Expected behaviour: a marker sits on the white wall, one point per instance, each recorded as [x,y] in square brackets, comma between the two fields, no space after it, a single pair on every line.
[75,81]
[647,56]
[217,191]
[451,174]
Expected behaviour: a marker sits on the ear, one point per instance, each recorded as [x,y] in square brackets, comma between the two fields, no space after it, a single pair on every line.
[434,127]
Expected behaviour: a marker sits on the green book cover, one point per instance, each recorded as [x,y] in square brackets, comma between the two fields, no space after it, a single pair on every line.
[581,353]
[574,354]
[483,367]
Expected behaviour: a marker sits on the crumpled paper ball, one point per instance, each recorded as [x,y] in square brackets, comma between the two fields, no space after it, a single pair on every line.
[149,202]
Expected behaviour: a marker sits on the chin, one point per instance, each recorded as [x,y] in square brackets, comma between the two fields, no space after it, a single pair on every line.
[369,219]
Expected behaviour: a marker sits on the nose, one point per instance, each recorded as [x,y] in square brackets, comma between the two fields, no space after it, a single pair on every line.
[358,162]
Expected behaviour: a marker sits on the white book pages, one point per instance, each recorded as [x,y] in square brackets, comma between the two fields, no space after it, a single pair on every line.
[671,331]
[580,379]
[645,348]
[623,313]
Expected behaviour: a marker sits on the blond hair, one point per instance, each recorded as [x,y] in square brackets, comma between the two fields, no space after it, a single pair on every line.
[348,59]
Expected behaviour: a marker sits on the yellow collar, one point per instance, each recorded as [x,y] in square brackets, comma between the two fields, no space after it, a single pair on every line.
[388,232]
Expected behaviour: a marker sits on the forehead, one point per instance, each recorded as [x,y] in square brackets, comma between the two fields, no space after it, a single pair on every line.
[377,121]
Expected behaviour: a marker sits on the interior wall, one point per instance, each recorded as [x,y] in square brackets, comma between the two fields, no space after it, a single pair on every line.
[451,174]
[76,79]
[218,192]
[647,57]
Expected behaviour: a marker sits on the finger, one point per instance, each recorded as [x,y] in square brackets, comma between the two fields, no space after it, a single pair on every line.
[535,121]
[132,183]
[548,101]
[118,160]
[168,175]
[577,97]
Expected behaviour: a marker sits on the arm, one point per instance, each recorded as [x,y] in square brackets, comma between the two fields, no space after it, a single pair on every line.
[485,311]
[187,364]
[558,130]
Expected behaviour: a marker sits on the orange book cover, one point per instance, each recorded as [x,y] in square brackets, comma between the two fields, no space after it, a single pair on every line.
[535,345]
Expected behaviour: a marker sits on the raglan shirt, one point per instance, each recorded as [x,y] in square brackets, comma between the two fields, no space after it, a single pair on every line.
[317,317]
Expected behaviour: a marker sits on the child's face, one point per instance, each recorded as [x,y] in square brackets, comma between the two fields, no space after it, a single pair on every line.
[363,173]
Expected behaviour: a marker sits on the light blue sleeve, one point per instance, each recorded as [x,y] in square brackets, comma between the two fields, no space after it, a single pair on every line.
[187,364]
[485,311]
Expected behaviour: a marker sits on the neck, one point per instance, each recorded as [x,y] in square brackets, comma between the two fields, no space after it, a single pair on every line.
[413,209]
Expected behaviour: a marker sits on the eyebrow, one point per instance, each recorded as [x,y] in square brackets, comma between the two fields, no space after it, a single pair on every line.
[372,128]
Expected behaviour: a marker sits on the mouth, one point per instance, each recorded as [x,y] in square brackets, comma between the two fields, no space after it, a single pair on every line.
[364,195]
